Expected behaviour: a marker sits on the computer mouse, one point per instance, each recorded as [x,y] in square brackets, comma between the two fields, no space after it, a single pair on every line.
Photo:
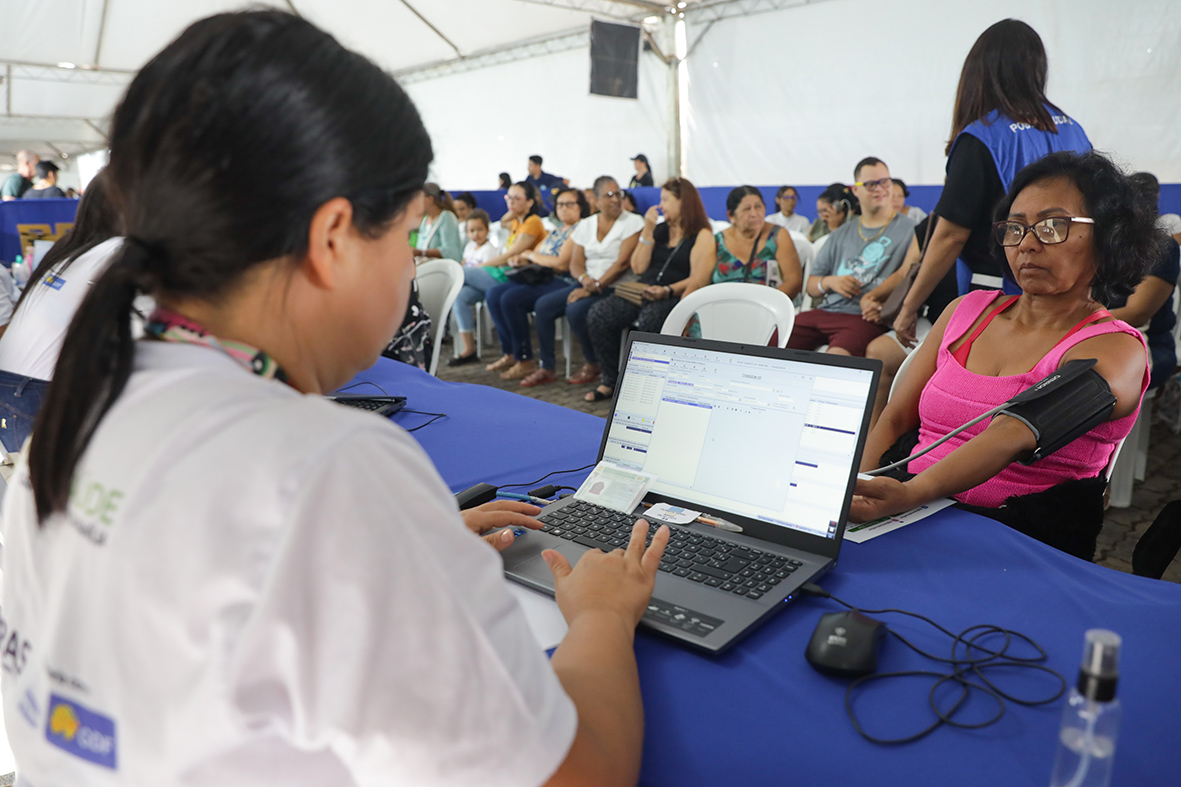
[846,644]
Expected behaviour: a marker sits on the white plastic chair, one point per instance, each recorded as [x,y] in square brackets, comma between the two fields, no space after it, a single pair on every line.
[735,312]
[439,283]
[902,370]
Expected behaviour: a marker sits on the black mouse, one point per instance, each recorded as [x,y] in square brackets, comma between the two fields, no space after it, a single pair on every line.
[846,644]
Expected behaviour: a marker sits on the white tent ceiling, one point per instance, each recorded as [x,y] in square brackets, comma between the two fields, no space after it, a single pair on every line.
[64,63]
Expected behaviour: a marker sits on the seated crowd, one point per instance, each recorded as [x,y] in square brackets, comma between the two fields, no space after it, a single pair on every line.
[608,270]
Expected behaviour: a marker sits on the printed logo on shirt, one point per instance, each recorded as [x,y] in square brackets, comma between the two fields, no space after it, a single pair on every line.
[81,732]
[865,265]
[15,653]
[29,710]
[91,506]
[53,280]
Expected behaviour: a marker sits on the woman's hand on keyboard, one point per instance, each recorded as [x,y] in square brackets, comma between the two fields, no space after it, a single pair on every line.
[618,582]
[484,519]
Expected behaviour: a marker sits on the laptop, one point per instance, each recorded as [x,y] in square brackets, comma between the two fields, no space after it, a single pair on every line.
[764,438]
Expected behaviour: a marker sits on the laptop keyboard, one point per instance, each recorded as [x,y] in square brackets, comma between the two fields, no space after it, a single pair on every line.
[741,570]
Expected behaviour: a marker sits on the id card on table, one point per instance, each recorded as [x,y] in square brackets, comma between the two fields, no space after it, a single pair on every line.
[615,487]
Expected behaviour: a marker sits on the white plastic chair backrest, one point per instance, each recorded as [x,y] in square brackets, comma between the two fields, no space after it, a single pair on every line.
[902,370]
[735,312]
[719,226]
[439,283]
[804,248]
[1177,311]
[498,235]
[987,282]
[818,244]
[1114,458]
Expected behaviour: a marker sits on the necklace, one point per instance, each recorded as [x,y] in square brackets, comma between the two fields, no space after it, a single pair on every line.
[879,232]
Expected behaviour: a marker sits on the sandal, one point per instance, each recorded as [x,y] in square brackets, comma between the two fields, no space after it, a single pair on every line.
[587,374]
[540,377]
[500,365]
[519,370]
[598,396]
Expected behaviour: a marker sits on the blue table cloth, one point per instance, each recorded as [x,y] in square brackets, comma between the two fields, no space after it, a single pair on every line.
[760,715]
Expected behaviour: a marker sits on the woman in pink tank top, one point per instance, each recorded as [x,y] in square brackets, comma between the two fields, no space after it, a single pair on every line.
[1073,235]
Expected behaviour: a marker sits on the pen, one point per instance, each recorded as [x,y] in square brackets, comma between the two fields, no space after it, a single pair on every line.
[537,501]
[720,524]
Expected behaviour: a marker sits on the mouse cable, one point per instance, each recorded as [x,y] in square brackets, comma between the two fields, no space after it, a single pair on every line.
[963,668]
[437,416]
[363,382]
[547,475]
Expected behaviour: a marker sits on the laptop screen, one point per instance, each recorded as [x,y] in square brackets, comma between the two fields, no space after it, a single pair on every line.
[765,438]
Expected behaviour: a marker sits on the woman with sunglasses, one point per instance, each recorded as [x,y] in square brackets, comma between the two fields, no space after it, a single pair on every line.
[1073,235]
[214,576]
[1001,122]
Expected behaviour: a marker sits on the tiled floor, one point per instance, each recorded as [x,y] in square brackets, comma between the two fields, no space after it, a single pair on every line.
[1122,527]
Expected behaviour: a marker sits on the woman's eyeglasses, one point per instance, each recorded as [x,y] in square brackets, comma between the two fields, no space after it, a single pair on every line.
[566,204]
[1055,229]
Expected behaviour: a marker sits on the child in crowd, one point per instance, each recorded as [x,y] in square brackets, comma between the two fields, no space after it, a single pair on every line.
[478,249]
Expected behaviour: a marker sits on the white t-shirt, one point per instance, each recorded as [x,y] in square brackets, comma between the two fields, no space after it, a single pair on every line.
[33,340]
[601,254]
[474,255]
[254,587]
[1170,223]
[793,223]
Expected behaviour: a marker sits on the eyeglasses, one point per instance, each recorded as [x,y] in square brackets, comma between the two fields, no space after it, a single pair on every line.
[511,198]
[1049,231]
[610,194]
[566,204]
[874,185]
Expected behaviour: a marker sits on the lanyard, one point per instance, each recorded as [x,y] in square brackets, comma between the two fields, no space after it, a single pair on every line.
[167,326]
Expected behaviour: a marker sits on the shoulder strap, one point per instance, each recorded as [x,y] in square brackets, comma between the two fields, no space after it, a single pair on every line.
[961,353]
[754,247]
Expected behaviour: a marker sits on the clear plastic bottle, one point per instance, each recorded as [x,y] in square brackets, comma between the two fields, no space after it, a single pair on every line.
[1090,721]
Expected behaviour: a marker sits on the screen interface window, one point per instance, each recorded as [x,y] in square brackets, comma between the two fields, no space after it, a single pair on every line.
[765,438]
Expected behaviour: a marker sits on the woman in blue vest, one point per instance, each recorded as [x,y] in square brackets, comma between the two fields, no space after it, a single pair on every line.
[1002,121]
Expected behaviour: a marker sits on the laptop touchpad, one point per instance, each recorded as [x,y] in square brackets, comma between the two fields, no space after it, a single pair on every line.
[537,569]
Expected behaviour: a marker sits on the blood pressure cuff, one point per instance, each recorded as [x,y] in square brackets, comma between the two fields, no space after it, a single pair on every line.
[1069,403]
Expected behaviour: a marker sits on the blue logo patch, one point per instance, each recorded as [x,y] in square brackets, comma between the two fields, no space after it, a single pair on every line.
[81,732]
[53,280]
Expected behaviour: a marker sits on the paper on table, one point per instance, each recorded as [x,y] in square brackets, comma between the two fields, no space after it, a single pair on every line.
[545,619]
[864,532]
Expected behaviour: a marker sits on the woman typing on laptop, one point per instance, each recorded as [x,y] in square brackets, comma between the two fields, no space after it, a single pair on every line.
[199,598]
[1073,235]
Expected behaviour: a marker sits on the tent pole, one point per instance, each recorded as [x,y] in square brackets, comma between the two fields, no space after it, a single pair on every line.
[669,24]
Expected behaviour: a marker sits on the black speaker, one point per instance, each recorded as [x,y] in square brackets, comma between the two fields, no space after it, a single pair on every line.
[615,60]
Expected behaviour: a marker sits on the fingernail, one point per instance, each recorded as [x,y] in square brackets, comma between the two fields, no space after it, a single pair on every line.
[549,558]
[506,537]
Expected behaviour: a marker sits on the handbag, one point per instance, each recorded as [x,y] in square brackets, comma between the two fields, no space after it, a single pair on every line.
[632,292]
[893,304]
[532,275]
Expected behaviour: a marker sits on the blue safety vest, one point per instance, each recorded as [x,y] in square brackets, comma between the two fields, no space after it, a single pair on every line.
[1014,145]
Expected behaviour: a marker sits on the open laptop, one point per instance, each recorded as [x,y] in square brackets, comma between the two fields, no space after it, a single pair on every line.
[767,439]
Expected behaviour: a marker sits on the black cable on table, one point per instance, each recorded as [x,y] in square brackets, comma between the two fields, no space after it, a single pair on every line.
[437,416]
[963,668]
[547,475]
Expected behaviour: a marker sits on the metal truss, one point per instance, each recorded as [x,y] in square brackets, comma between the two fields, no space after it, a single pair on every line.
[523,50]
[698,12]
[707,11]
[628,10]
[79,76]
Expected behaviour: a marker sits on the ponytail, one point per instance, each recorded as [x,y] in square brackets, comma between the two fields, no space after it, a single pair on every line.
[92,369]
[223,148]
